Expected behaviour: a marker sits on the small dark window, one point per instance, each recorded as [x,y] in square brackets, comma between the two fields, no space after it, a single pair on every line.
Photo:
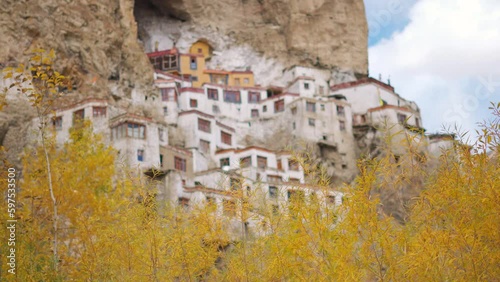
[204,125]
[99,112]
[342,125]
[312,122]
[225,138]
[57,123]
[140,155]
[232,96]
[279,106]
[273,192]
[213,94]
[311,107]
[224,162]
[193,64]
[255,113]
[340,111]
[180,164]
[193,103]
[306,85]
[253,97]
[246,162]
[264,108]
[261,162]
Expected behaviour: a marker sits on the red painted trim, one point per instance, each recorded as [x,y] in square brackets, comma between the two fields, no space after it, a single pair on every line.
[360,82]
[234,88]
[177,149]
[280,96]
[196,112]
[390,107]
[225,126]
[244,150]
[192,89]
[171,75]
[79,103]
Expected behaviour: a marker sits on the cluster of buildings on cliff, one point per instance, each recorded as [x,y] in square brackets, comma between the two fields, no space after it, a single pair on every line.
[195,140]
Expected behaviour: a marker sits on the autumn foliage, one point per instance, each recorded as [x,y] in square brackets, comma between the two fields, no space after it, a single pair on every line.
[111,229]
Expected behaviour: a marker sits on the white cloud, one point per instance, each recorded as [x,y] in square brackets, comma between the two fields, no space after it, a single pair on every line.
[447,59]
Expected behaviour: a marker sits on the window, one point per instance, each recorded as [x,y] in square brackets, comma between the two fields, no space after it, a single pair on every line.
[293,165]
[180,164]
[210,200]
[255,113]
[401,118]
[264,109]
[261,162]
[253,97]
[321,90]
[129,129]
[160,134]
[225,138]
[78,116]
[246,162]
[135,130]
[57,123]
[274,179]
[140,155]
[294,180]
[330,200]
[294,110]
[161,160]
[417,122]
[322,107]
[169,62]
[325,137]
[229,207]
[204,125]
[156,62]
[273,192]
[237,81]
[232,96]
[344,166]
[200,51]
[165,111]
[192,63]
[235,183]
[194,78]
[279,165]
[204,146]
[293,125]
[193,103]
[224,162]
[296,196]
[312,122]
[184,202]
[279,106]
[340,111]
[246,81]
[213,94]
[342,125]
[99,112]
[168,94]
[311,107]
[215,109]
[306,85]
[275,210]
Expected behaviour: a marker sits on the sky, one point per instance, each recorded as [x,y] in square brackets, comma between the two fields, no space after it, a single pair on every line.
[442,54]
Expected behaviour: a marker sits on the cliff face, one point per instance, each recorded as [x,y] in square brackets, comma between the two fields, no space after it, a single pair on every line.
[326,33]
[97,44]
